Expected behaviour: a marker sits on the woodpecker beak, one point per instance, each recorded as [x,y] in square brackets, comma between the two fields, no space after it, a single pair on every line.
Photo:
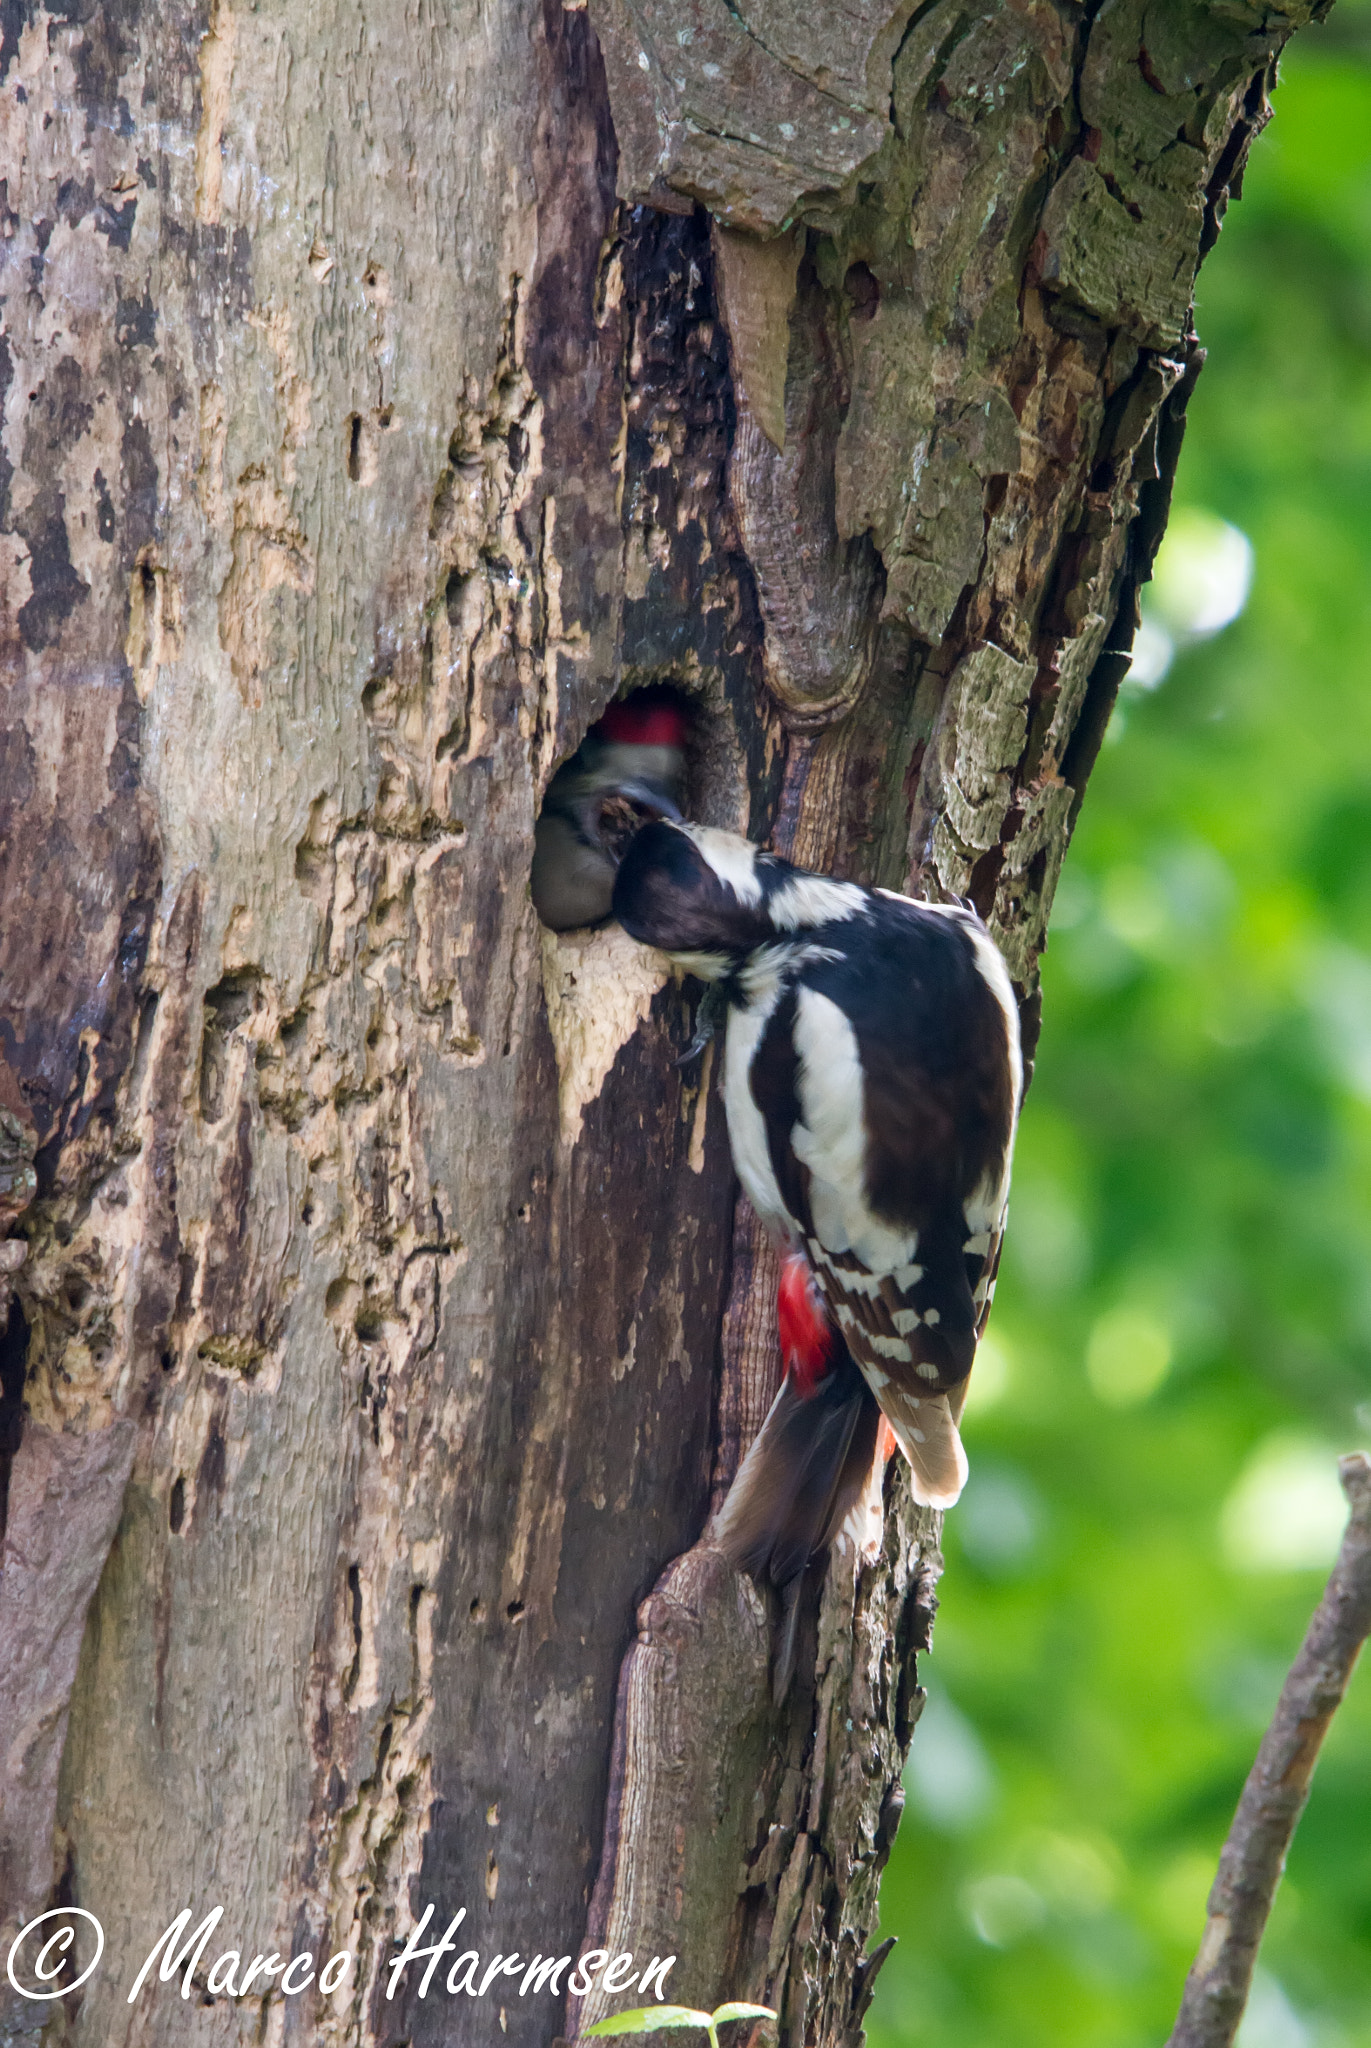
[645,798]
[614,817]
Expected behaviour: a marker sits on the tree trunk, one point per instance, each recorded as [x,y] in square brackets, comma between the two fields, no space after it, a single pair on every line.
[384,389]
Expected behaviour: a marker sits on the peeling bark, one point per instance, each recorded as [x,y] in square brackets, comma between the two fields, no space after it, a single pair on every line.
[382,392]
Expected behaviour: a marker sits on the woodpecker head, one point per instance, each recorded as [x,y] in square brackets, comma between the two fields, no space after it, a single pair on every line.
[694,893]
[628,769]
[710,898]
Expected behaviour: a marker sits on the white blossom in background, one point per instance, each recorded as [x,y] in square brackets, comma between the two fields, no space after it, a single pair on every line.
[949,1776]
[1287,1511]
[1271,2021]
[1200,583]
[1336,982]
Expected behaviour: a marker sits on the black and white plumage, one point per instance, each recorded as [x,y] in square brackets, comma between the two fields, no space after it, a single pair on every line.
[872,1077]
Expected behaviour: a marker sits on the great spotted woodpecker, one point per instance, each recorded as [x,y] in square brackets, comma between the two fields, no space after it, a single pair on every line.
[872,1077]
[629,768]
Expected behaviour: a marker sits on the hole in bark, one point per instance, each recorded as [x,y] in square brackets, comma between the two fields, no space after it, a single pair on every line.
[355,1609]
[477,1610]
[227,1005]
[985,878]
[14,1353]
[515,1611]
[454,601]
[368,1324]
[214,1463]
[373,689]
[185,1285]
[641,760]
[176,1508]
[142,1048]
[168,1361]
[862,288]
[75,1291]
[1146,67]
[355,447]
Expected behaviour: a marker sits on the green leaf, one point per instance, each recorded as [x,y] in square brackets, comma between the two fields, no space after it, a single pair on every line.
[741,2012]
[645,2019]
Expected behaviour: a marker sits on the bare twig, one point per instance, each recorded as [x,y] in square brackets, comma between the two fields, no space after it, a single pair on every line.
[1274,1795]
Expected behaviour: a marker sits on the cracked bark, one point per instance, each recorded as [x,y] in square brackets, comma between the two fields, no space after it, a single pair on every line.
[383,389]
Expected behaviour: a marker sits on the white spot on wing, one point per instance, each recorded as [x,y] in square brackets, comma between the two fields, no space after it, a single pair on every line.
[887,1347]
[985,1204]
[905,1320]
[852,1282]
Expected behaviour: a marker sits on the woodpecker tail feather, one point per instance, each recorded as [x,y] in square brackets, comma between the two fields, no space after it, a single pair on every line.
[925,1427]
[806,1471]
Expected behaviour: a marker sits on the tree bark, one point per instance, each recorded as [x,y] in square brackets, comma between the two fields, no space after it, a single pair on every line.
[384,388]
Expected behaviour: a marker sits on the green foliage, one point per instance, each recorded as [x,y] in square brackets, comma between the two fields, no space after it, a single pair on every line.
[646,2019]
[1182,1338]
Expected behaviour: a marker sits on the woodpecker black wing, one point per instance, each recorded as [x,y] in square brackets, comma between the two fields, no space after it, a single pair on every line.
[880,1093]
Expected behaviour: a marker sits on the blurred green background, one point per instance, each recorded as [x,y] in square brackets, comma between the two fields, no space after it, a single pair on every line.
[1181,1342]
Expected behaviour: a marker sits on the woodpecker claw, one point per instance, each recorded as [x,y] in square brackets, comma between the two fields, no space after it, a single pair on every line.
[712,1009]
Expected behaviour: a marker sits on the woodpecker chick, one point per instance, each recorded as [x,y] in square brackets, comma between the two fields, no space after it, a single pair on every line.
[872,1077]
[628,769]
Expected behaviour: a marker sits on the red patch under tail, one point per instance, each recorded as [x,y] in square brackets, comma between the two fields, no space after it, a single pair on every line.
[807,1336]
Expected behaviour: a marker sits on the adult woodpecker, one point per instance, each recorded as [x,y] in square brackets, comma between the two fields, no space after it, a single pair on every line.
[630,767]
[872,1077]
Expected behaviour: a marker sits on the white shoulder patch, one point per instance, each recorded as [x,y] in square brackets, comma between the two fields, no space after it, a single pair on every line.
[733,860]
[993,972]
[830,1138]
[808,900]
[746,1124]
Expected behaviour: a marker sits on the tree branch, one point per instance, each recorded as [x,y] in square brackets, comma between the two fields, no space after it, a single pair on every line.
[1274,1795]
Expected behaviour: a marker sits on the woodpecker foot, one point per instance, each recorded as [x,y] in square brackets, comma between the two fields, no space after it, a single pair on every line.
[710,1013]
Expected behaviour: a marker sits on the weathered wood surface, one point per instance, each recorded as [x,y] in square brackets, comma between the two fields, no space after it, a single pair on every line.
[370,416]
